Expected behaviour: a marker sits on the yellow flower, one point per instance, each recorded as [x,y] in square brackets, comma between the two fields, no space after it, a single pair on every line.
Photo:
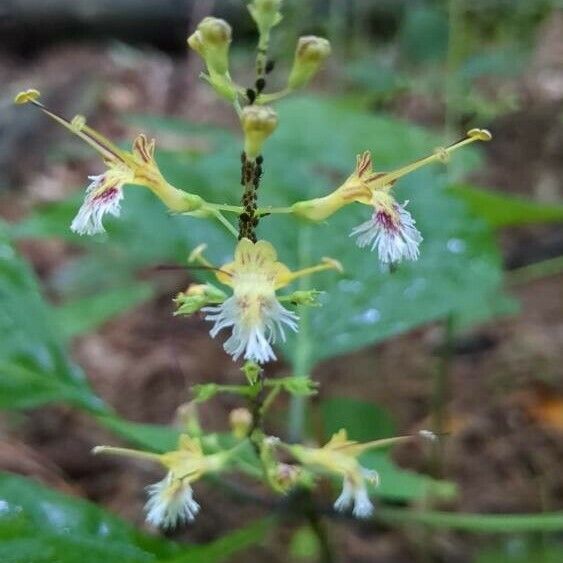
[339,456]
[105,192]
[391,229]
[253,311]
[171,500]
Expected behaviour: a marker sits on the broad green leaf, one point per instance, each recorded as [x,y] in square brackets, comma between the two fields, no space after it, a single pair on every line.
[502,210]
[34,367]
[41,525]
[365,422]
[82,315]
[153,437]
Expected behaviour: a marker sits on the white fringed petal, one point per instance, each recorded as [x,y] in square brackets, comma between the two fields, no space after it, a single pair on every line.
[170,503]
[394,236]
[252,338]
[98,202]
[356,496]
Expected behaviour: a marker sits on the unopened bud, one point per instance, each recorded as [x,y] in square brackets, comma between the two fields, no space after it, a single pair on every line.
[196,297]
[258,123]
[211,41]
[240,420]
[310,53]
[266,14]
[306,297]
[286,476]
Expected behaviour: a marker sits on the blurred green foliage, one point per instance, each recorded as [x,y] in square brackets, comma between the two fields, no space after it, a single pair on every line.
[43,526]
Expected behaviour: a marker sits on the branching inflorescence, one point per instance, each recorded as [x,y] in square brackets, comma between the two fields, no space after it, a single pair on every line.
[251,310]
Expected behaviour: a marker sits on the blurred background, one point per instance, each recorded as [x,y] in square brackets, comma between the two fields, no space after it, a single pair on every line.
[468,342]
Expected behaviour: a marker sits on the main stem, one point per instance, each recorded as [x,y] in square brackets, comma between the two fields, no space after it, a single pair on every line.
[251,172]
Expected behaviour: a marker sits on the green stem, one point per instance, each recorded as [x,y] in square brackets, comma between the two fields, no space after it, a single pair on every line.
[539,270]
[221,218]
[273,96]
[318,527]
[270,398]
[485,523]
[213,207]
[301,358]
[440,396]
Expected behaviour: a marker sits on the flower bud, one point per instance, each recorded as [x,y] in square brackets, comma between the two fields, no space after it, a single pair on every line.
[266,14]
[211,41]
[305,297]
[258,123]
[240,420]
[196,297]
[310,53]
[286,476]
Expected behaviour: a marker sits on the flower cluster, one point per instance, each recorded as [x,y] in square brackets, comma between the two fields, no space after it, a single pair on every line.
[251,306]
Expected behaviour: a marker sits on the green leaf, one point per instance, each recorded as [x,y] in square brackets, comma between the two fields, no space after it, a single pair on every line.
[41,525]
[365,422]
[83,315]
[502,210]
[34,367]
[153,437]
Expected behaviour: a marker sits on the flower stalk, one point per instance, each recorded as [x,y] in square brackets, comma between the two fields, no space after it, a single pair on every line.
[252,305]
